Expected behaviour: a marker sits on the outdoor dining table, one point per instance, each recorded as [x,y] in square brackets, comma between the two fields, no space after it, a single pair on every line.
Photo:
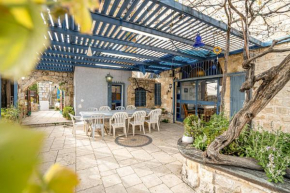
[86,115]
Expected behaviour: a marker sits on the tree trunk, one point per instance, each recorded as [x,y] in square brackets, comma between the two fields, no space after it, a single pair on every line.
[224,83]
[273,81]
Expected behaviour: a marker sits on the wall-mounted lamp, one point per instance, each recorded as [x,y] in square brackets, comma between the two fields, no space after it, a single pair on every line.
[169,89]
[109,78]
[23,77]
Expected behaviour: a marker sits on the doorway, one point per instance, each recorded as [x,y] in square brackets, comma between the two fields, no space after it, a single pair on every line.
[117,96]
[199,97]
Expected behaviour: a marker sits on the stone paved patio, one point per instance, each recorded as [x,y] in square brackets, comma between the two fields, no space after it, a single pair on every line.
[44,117]
[104,166]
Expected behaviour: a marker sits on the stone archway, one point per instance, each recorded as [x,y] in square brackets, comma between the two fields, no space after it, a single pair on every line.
[64,79]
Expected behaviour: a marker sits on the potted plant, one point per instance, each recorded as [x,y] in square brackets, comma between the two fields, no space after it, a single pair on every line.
[192,127]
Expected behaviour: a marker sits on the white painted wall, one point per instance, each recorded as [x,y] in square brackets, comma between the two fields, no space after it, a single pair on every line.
[91,88]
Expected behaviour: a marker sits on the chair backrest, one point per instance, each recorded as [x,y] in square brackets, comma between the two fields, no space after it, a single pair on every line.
[72,118]
[97,119]
[130,107]
[139,116]
[92,109]
[120,118]
[159,111]
[104,108]
[185,109]
[120,108]
[154,116]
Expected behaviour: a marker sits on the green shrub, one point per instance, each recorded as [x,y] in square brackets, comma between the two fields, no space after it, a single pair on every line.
[165,121]
[11,114]
[271,150]
[66,111]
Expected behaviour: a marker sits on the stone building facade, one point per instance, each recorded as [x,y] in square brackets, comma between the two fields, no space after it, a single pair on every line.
[277,113]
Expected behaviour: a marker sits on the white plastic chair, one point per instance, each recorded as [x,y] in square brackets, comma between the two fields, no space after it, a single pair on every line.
[97,122]
[139,118]
[153,119]
[104,108]
[118,120]
[130,107]
[120,108]
[92,109]
[159,112]
[76,121]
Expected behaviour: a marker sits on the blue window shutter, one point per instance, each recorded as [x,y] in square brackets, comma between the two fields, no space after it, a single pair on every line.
[140,97]
[158,94]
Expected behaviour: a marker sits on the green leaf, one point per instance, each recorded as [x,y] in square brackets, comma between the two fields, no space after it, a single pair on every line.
[19,148]
[60,179]
[20,39]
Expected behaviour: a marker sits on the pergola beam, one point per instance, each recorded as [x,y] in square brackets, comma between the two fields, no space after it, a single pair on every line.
[123,42]
[117,52]
[90,58]
[120,22]
[203,18]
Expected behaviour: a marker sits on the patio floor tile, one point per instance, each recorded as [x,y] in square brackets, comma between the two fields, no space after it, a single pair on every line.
[151,180]
[140,188]
[131,180]
[125,171]
[119,188]
[111,180]
[160,188]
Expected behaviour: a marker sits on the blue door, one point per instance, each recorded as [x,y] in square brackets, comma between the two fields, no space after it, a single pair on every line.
[237,97]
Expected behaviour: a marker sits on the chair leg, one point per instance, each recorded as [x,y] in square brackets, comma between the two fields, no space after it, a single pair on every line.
[102,131]
[143,128]
[133,129]
[149,127]
[114,132]
[125,131]
[93,134]
[158,126]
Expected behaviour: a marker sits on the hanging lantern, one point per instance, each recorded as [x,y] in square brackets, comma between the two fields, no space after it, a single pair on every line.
[198,41]
[89,52]
[109,78]
[200,73]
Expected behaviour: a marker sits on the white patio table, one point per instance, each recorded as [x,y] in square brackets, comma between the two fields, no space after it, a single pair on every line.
[86,115]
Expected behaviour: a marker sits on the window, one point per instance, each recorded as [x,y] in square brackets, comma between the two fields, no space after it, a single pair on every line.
[140,97]
[157,94]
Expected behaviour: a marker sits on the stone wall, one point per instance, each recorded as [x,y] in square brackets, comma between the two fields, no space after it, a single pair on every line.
[145,83]
[277,113]
[55,77]
[205,179]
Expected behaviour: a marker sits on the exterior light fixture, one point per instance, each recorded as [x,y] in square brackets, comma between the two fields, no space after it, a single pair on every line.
[119,55]
[109,78]
[198,41]
[23,78]
[144,33]
[170,87]
[89,52]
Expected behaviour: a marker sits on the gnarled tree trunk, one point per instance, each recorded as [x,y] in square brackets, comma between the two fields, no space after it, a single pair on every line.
[273,80]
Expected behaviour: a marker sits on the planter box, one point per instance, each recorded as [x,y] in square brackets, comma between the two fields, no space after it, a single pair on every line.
[210,178]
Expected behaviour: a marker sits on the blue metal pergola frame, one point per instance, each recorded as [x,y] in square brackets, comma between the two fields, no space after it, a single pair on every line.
[166,18]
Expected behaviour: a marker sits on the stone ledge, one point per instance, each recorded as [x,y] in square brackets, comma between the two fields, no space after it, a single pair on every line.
[252,178]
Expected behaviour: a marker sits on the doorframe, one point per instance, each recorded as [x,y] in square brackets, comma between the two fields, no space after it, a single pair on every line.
[123,94]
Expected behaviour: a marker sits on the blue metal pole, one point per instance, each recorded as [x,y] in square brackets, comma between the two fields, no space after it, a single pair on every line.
[15,94]
[173,102]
